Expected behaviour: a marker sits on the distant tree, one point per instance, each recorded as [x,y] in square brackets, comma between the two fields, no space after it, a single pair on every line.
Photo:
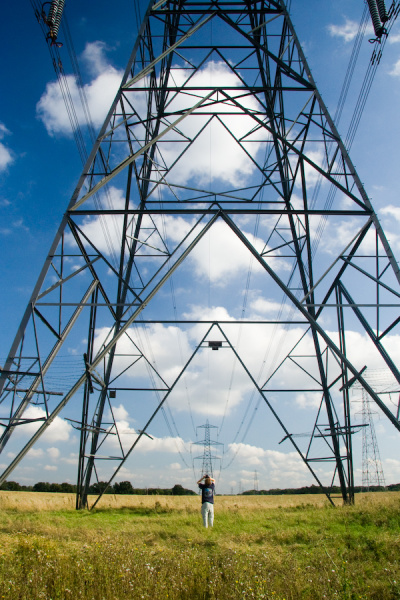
[123,487]
[178,490]
[99,487]
[10,486]
[54,487]
[41,486]
[67,488]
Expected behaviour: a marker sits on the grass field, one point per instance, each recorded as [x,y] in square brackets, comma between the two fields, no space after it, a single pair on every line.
[272,547]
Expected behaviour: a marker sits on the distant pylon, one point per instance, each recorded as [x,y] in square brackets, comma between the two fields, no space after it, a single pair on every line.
[372,471]
[207,457]
[255,481]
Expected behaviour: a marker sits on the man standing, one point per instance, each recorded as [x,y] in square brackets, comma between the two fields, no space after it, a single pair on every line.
[207,499]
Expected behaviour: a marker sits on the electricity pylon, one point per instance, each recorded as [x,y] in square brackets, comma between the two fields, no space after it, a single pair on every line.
[218,131]
[372,471]
[207,457]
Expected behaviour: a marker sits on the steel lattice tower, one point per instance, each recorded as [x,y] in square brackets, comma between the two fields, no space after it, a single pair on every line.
[255,481]
[372,472]
[231,71]
[208,457]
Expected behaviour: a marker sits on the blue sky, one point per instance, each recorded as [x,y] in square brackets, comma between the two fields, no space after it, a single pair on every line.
[39,168]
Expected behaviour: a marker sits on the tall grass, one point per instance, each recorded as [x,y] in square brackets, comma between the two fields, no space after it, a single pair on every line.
[155,547]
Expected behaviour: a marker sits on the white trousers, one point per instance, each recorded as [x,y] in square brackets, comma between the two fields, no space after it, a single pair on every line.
[207,511]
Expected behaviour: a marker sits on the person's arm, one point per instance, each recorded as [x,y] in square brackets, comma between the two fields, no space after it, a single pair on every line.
[200,480]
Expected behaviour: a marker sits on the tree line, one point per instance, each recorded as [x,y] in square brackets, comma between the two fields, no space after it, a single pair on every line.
[119,487]
[316,489]
[125,487]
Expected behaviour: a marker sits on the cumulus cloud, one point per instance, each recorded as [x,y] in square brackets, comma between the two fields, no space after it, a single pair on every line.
[215,155]
[391,211]
[219,256]
[54,453]
[58,431]
[281,466]
[175,466]
[264,306]
[339,232]
[94,56]
[120,413]
[347,31]
[308,400]
[71,459]
[100,93]
[127,435]
[395,70]
[6,156]
[262,347]
[35,453]
[392,469]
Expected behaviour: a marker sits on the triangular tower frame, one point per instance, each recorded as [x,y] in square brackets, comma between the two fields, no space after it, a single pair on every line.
[235,69]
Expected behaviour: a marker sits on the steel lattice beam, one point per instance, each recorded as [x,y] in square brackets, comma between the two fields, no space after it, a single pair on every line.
[135,218]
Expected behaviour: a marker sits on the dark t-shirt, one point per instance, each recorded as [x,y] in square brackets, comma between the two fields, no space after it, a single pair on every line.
[207,493]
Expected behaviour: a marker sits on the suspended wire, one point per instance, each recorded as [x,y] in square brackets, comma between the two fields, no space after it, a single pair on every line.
[368,80]
[174,306]
[138,16]
[360,104]
[69,104]
[81,89]
[352,64]
[359,108]
[143,329]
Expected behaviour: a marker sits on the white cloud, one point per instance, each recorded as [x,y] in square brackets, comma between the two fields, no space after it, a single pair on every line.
[54,453]
[391,469]
[347,31]
[170,445]
[58,431]
[308,400]
[391,211]
[286,468]
[213,255]
[168,349]
[94,57]
[395,71]
[247,454]
[120,413]
[6,156]
[337,234]
[214,155]
[35,453]
[51,468]
[264,306]
[207,384]
[211,258]
[175,466]
[71,459]
[100,93]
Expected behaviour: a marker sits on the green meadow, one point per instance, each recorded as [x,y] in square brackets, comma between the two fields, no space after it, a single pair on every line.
[270,547]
